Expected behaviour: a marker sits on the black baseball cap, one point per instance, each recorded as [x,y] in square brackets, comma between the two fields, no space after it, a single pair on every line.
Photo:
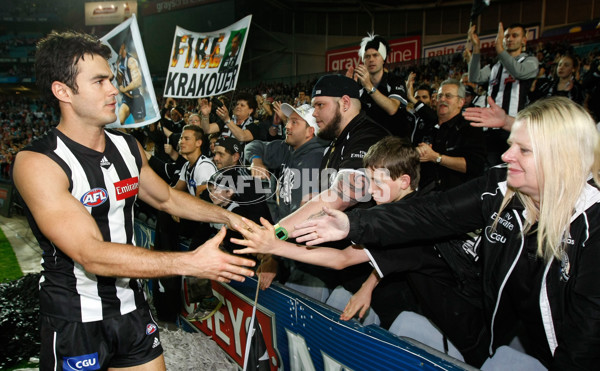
[231,144]
[336,86]
[469,90]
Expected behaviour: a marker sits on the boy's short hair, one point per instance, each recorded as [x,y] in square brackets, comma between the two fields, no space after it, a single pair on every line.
[398,156]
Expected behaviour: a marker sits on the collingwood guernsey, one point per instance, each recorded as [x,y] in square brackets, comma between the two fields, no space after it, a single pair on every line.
[106,184]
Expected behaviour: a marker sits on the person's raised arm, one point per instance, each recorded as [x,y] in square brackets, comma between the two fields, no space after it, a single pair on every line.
[279,113]
[477,74]
[526,69]
[491,117]
[243,135]
[136,76]
[70,227]
[410,91]
[474,40]
[390,106]
[207,126]
[256,153]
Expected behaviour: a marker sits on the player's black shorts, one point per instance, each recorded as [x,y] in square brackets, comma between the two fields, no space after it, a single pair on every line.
[128,340]
[137,106]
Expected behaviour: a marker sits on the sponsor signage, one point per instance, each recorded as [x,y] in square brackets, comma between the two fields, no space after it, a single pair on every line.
[109,12]
[150,7]
[405,49]
[458,46]
[126,188]
[229,326]
[87,362]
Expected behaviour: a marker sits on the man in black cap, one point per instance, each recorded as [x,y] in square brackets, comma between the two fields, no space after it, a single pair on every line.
[337,110]
[383,95]
[336,100]
[228,151]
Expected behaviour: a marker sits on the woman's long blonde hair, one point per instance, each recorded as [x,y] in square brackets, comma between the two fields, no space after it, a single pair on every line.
[566,148]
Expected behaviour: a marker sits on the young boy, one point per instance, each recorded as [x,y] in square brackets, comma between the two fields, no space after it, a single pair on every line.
[449,299]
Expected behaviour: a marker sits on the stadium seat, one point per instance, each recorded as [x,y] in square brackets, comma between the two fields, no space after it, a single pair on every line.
[418,327]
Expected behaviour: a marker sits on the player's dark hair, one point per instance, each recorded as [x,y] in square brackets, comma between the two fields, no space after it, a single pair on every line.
[57,56]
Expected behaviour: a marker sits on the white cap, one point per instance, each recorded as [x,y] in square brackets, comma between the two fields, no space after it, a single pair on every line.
[305,111]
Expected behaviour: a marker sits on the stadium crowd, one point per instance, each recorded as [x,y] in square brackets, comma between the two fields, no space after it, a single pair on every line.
[24,118]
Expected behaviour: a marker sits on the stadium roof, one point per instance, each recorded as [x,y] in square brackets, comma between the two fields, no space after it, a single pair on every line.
[364,5]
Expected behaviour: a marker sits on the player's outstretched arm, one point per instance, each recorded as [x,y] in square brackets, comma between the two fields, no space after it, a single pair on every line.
[44,187]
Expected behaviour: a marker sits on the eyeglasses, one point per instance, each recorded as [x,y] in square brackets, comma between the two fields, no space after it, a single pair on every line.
[446,95]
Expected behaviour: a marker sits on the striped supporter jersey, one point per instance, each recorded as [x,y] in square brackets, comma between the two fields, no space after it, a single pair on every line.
[107,185]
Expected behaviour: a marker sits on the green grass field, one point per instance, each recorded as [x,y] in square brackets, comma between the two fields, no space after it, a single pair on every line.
[9,271]
[9,266]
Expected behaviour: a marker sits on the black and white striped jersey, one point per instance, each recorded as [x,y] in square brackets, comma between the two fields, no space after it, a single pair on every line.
[107,185]
[197,174]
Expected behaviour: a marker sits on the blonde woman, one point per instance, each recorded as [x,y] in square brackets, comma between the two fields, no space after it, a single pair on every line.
[540,240]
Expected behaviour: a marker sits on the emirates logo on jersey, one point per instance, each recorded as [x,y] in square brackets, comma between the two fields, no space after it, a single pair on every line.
[126,188]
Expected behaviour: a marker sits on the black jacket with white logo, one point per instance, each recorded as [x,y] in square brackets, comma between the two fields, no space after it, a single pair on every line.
[565,293]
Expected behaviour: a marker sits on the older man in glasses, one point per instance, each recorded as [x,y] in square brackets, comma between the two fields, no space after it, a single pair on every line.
[452,151]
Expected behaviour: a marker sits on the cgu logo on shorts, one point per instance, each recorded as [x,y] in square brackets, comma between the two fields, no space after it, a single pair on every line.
[87,362]
[94,197]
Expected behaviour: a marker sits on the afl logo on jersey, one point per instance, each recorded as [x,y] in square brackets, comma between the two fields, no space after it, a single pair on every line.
[94,197]
[150,329]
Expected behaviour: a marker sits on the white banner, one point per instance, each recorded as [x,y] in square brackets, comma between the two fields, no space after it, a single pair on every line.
[205,64]
[136,102]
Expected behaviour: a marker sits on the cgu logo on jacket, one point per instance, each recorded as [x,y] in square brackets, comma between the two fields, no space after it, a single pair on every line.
[492,236]
[94,197]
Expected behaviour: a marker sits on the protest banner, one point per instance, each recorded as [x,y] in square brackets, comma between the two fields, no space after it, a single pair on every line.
[205,64]
[136,101]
